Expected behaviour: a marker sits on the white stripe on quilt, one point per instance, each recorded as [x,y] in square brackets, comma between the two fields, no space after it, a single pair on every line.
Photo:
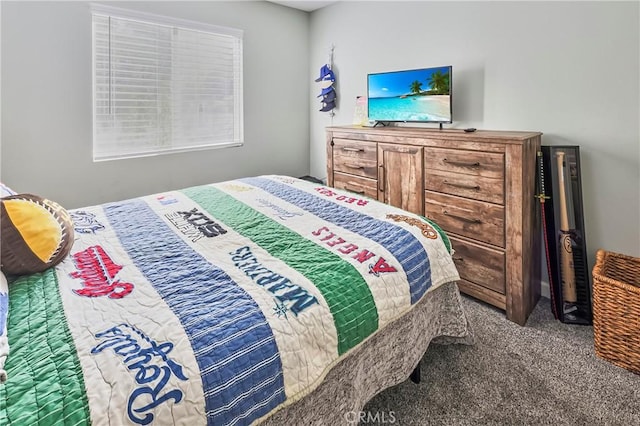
[390,290]
[254,408]
[241,376]
[216,309]
[232,306]
[299,338]
[207,330]
[227,339]
[242,396]
[237,354]
[105,373]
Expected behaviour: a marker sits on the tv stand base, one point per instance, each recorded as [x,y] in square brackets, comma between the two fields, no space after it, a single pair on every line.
[382,123]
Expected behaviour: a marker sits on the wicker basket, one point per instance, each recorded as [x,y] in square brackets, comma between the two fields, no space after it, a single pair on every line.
[616,309]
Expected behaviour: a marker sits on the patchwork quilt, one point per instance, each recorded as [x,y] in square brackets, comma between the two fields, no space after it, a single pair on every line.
[216,304]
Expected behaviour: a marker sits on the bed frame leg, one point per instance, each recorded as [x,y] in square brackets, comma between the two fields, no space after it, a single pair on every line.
[415,374]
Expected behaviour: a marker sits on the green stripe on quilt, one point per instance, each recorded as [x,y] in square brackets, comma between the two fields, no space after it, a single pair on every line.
[45,385]
[345,291]
[443,235]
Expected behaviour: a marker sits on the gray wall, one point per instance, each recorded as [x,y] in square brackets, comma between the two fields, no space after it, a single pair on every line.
[567,69]
[47,111]
[570,70]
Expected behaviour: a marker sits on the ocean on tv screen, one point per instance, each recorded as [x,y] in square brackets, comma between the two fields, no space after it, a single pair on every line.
[411,108]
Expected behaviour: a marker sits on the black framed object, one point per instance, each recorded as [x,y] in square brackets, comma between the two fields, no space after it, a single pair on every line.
[569,277]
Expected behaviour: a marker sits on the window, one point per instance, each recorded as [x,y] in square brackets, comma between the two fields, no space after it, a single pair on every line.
[163,85]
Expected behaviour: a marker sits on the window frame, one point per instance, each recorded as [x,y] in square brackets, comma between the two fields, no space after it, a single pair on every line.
[160,20]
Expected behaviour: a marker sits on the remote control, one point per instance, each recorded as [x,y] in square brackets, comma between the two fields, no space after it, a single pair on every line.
[470,130]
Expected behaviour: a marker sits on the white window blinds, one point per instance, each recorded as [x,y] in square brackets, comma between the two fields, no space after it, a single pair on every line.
[163,85]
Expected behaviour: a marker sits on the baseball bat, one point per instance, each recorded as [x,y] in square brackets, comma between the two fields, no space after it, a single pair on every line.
[566,254]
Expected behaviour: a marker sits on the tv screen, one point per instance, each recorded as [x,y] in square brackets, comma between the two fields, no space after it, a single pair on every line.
[422,95]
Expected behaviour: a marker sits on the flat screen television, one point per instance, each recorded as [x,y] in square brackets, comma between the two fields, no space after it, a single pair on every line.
[420,95]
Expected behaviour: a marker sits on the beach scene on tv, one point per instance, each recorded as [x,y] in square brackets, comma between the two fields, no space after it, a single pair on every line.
[412,95]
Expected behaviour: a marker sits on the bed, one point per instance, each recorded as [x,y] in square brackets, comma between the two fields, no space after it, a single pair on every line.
[265,299]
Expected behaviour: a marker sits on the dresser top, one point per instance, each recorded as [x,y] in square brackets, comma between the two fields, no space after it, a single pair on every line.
[435,133]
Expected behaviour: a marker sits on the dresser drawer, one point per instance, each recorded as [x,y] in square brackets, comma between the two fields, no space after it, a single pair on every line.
[357,185]
[469,186]
[477,163]
[478,264]
[483,293]
[477,220]
[355,157]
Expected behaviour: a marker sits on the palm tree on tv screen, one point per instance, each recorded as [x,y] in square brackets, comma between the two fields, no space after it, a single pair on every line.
[416,87]
[439,83]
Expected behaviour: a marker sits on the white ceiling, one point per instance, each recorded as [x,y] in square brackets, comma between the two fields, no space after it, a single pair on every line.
[306,5]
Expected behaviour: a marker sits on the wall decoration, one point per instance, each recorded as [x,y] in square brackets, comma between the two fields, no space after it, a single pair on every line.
[326,81]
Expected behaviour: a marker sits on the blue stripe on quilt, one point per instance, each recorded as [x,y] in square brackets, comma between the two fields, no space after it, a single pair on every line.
[233,344]
[404,246]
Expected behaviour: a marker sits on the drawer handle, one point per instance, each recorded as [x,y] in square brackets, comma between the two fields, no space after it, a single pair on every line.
[346,148]
[458,259]
[353,166]
[462,185]
[462,218]
[361,191]
[381,178]
[461,164]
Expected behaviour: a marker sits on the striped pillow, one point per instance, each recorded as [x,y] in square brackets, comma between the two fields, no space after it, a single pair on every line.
[5,191]
[4,313]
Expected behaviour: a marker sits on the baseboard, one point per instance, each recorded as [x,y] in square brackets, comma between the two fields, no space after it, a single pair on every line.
[544,290]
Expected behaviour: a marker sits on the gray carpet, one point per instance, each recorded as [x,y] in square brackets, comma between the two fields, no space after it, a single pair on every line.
[545,373]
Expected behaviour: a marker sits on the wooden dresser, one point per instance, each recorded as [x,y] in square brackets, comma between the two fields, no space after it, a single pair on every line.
[479,187]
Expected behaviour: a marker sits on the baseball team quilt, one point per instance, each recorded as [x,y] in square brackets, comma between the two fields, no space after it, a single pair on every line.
[217,304]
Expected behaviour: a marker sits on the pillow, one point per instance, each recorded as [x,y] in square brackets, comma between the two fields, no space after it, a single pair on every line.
[5,191]
[36,234]
[4,314]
